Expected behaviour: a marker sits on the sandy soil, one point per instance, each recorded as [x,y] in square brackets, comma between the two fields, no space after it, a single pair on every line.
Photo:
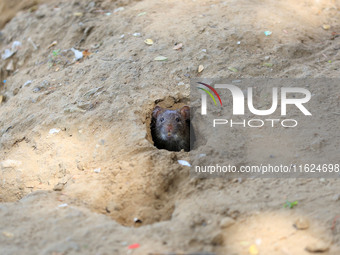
[78,166]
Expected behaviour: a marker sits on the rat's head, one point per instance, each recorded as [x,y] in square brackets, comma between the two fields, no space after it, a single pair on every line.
[171,124]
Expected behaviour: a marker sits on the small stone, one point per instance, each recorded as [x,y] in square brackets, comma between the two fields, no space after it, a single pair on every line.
[9,163]
[15,91]
[336,197]
[326,26]
[217,240]
[301,223]
[317,247]
[10,66]
[58,187]
[227,222]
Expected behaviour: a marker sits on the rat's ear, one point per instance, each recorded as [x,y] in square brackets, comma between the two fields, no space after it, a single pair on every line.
[156,111]
[185,112]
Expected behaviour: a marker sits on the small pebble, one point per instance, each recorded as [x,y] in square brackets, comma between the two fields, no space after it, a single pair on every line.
[301,223]
[317,247]
[227,222]
[336,197]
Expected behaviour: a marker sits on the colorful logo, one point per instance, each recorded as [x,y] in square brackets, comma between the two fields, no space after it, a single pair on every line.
[209,93]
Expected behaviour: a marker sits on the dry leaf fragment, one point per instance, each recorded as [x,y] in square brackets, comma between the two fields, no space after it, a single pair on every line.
[326,26]
[52,44]
[178,46]
[233,69]
[86,53]
[148,42]
[160,58]
[78,14]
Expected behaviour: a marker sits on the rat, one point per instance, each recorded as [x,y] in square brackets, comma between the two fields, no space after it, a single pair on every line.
[170,129]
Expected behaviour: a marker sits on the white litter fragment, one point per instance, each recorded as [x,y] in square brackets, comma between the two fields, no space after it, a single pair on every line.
[10,163]
[16,45]
[118,9]
[32,43]
[9,52]
[183,162]
[204,50]
[77,54]
[54,131]
[63,205]
[27,83]
[136,34]
[97,170]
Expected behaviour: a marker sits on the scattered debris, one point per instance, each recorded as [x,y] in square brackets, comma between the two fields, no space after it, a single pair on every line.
[326,26]
[290,205]
[233,69]
[10,163]
[267,33]
[226,222]
[77,54]
[334,221]
[54,43]
[178,46]
[183,162]
[78,14]
[27,83]
[91,92]
[317,247]
[148,42]
[160,58]
[200,68]
[134,246]
[141,14]
[10,66]
[119,9]
[301,223]
[54,131]
[35,47]
[86,53]
[10,52]
[267,64]
[8,234]
[58,187]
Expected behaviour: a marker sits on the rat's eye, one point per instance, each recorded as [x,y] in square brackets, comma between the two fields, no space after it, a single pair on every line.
[177,119]
[162,119]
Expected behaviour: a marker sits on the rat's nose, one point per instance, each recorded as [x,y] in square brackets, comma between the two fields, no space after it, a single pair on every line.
[169,128]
